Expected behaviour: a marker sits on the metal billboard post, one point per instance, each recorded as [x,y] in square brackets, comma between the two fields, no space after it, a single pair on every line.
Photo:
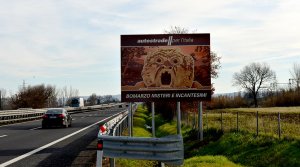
[200,128]
[153,128]
[129,120]
[153,123]
[178,119]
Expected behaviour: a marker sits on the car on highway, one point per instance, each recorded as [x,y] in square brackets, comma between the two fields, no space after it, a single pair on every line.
[56,117]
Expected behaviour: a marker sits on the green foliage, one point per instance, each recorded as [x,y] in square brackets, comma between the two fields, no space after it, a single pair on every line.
[209,161]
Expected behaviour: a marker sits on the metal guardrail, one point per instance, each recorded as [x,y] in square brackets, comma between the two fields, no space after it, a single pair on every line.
[168,149]
[10,115]
[113,126]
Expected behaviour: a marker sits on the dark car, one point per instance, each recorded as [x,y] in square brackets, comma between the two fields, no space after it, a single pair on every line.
[56,117]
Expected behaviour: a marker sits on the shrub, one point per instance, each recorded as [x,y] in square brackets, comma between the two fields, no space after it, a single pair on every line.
[225,101]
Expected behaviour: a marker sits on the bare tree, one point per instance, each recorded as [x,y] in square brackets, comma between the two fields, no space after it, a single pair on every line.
[100,98]
[92,100]
[211,62]
[177,30]
[65,94]
[3,99]
[108,99]
[32,97]
[60,97]
[252,77]
[295,73]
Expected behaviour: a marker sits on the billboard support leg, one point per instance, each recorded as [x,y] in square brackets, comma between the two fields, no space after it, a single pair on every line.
[153,123]
[200,128]
[178,119]
[129,120]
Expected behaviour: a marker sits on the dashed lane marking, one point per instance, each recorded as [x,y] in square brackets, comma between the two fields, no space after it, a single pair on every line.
[3,135]
[35,128]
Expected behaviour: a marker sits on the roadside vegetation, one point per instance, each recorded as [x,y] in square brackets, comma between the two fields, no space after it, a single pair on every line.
[219,148]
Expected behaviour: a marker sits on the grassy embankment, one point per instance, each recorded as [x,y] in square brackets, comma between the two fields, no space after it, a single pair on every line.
[230,149]
[267,121]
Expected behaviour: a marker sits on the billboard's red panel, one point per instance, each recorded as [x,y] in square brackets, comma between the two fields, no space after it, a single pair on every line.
[167,67]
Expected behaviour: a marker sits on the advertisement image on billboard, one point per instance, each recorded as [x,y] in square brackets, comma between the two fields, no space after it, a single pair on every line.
[166,67]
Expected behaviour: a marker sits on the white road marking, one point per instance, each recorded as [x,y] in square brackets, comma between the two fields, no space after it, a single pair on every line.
[90,115]
[82,117]
[35,128]
[3,135]
[19,123]
[50,144]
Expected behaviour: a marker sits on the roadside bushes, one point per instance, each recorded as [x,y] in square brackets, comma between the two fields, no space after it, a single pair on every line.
[225,101]
[282,98]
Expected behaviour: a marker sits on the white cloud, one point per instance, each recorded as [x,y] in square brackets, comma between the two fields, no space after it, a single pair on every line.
[55,39]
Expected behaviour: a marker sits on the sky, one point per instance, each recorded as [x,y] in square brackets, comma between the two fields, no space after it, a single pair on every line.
[77,43]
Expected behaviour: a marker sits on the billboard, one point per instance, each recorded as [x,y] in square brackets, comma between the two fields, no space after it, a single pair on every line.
[165,67]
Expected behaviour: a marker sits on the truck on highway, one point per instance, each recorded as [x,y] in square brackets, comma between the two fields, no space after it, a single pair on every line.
[77,102]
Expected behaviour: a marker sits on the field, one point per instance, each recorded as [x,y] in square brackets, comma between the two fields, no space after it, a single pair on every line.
[263,120]
[227,147]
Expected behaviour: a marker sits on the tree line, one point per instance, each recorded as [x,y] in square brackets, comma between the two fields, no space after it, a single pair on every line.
[38,96]
[47,96]
[93,99]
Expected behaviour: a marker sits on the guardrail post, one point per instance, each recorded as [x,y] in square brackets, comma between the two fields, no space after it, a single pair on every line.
[99,153]
[112,162]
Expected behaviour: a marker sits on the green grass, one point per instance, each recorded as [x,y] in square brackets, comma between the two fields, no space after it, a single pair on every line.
[209,161]
[139,130]
[220,149]
[248,149]
[267,122]
[287,110]
[164,128]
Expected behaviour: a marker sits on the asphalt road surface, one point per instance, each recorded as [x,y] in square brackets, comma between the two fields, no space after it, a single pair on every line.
[27,144]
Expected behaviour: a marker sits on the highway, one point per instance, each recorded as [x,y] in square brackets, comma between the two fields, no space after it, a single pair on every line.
[27,144]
